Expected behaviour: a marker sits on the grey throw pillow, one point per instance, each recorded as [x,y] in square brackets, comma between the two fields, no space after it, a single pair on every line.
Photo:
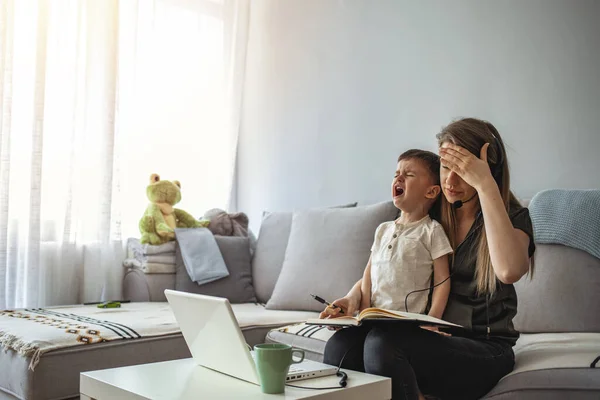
[237,287]
[563,294]
[270,251]
[326,254]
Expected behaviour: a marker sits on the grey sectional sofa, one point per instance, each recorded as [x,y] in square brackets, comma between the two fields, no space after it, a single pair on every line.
[558,316]
[559,313]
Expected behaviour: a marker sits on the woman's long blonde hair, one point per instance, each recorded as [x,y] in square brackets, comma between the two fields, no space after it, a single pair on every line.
[472,134]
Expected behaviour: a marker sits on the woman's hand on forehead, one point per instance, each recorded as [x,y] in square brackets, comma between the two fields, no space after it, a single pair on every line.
[474,171]
[459,149]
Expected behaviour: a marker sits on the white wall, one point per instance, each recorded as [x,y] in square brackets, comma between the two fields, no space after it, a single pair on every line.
[337,89]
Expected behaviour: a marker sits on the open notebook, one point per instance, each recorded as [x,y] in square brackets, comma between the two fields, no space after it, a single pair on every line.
[382,314]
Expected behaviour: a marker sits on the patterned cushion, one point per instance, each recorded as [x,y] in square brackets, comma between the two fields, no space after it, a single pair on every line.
[310,338]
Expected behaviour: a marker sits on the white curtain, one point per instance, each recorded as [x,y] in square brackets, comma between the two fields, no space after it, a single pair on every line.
[95,96]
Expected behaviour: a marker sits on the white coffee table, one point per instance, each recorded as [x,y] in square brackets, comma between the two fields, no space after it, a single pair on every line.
[183,379]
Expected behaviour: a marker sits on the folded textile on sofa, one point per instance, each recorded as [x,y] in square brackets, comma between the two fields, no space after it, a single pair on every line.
[142,250]
[567,217]
[201,255]
[163,258]
[150,267]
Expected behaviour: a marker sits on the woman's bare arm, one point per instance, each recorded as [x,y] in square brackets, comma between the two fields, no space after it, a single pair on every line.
[508,246]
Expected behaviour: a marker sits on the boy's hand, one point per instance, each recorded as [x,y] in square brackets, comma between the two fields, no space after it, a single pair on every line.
[344,303]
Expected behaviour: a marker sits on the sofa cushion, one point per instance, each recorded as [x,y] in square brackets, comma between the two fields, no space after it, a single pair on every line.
[139,286]
[538,351]
[310,338]
[56,376]
[270,251]
[564,294]
[547,363]
[549,384]
[326,254]
[237,287]
[252,314]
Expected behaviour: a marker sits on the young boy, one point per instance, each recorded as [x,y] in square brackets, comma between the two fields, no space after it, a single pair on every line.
[407,252]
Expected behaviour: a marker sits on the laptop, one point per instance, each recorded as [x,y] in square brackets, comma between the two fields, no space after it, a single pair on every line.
[215,339]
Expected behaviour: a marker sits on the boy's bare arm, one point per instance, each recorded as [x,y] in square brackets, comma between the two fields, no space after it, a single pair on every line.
[365,288]
[441,271]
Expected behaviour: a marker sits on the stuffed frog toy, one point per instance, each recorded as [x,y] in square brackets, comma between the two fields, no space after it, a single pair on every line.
[158,224]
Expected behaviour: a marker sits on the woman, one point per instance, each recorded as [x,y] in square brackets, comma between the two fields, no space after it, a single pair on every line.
[492,238]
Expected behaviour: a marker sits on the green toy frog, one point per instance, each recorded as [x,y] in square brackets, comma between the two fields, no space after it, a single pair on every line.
[158,224]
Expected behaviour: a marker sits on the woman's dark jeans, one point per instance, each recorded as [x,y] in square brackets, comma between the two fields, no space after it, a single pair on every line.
[447,367]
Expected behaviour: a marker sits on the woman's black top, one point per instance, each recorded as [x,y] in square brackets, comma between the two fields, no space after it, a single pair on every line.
[480,312]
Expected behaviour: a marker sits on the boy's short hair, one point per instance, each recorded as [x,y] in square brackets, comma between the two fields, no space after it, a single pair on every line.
[429,159]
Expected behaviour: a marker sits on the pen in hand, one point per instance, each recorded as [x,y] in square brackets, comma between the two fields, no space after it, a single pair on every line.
[323,301]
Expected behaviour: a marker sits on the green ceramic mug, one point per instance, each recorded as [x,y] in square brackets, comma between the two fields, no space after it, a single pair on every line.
[273,362]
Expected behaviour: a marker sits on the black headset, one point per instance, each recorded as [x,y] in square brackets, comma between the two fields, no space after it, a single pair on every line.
[497,171]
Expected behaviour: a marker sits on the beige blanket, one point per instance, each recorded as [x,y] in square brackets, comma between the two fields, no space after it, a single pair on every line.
[32,332]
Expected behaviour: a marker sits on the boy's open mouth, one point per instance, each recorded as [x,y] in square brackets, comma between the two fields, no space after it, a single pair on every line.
[399,191]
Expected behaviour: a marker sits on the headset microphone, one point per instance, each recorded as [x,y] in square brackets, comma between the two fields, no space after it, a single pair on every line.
[459,203]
